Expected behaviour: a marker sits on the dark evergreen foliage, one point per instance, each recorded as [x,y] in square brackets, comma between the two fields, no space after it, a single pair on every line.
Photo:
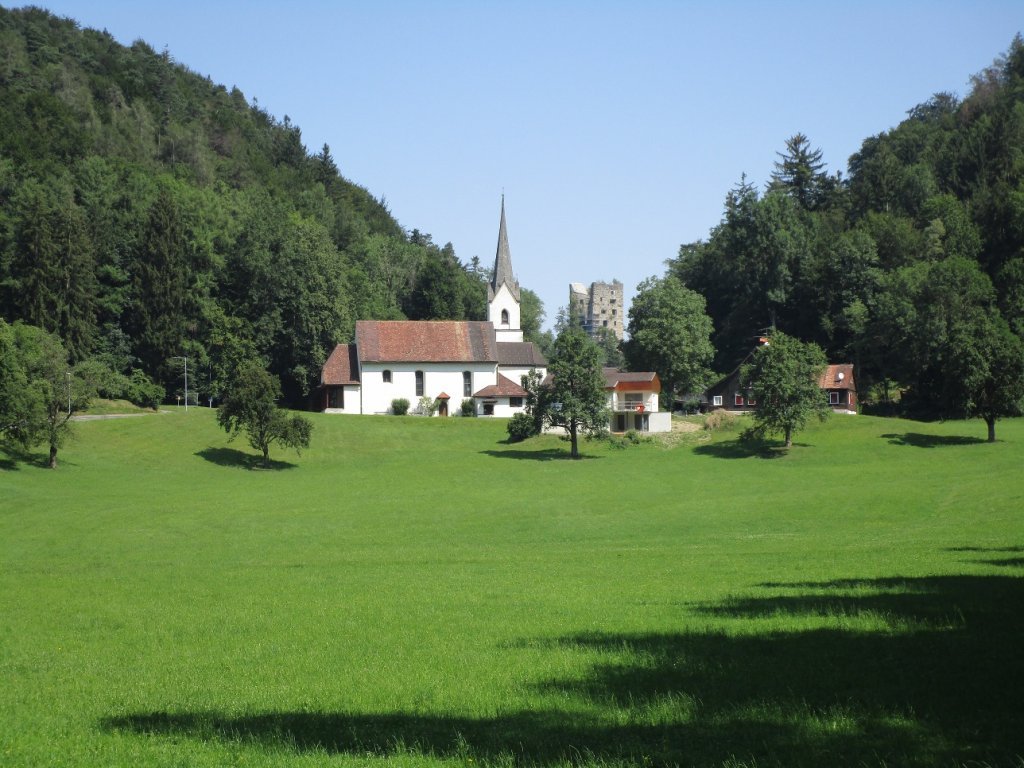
[148,213]
[852,264]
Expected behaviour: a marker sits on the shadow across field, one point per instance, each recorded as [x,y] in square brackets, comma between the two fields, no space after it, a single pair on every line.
[13,457]
[919,440]
[744,449]
[900,671]
[232,457]
[547,454]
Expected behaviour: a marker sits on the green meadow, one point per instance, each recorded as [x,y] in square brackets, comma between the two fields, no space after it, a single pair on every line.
[418,592]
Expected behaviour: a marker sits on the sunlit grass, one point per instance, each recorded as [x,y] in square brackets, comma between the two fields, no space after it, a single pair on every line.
[417,592]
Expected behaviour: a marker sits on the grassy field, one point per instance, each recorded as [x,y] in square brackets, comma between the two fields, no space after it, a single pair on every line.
[416,592]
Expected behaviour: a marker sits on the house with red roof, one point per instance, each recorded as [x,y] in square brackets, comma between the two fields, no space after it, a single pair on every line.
[731,394]
[633,401]
[445,360]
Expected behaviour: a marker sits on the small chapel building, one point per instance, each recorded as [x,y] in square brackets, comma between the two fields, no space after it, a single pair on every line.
[446,360]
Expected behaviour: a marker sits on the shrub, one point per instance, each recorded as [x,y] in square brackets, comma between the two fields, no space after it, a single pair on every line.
[468,407]
[399,406]
[427,406]
[143,391]
[520,427]
[719,419]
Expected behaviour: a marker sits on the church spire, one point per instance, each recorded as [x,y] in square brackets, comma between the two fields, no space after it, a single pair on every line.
[503,262]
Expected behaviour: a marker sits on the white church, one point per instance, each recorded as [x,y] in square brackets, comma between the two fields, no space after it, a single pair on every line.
[446,360]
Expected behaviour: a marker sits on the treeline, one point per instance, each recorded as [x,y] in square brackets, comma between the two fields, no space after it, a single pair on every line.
[911,266]
[148,214]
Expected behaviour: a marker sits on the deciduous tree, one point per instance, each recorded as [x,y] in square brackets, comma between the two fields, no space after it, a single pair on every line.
[576,399]
[250,405]
[783,382]
[669,332]
[53,393]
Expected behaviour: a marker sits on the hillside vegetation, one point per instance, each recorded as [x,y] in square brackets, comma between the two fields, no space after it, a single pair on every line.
[416,592]
[147,213]
[910,264]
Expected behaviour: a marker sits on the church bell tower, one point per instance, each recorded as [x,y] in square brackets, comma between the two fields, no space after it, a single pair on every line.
[503,290]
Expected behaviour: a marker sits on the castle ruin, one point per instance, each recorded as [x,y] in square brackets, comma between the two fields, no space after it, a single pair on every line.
[599,306]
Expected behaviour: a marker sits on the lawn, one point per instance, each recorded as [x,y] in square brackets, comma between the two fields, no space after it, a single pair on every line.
[418,592]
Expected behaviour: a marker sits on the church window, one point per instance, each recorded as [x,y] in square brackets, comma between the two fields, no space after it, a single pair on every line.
[387,376]
[419,383]
[504,317]
[467,384]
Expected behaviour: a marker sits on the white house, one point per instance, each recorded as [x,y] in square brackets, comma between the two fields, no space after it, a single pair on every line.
[633,401]
[446,360]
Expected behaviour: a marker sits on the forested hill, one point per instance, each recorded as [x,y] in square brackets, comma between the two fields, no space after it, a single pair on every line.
[147,213]
[912,266]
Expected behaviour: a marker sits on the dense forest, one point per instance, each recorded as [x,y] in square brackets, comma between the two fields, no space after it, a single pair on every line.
[911,266]
[148,215]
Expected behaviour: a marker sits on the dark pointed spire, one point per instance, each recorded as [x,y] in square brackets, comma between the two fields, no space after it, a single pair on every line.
[503,262]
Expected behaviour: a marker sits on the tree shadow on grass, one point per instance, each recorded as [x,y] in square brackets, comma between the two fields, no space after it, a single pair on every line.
[1004,562]
[743,449]
[547,454]
[919,440]
[232,457]
[13,457]
[898,671]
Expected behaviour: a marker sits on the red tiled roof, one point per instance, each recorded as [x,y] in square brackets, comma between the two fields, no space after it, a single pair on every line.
[520,353]
[341,367]
[504,388]
[837,377]
[632,380]
[426,341]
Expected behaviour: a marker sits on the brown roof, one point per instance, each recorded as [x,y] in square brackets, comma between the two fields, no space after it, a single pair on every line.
[341,367]
[520,353]
[426,341]
[504,388]
[631,380]
[837,377]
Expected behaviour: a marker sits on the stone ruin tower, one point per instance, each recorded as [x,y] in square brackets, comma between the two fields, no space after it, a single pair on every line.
[599,306]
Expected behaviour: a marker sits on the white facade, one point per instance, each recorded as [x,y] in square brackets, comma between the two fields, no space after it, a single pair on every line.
[449,378]
[348,401]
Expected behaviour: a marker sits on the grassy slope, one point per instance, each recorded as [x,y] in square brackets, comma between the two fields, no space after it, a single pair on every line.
[415,592]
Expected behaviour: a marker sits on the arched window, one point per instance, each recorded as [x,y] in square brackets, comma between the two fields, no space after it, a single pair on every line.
[387,376]
[467,384]
[419,383]
[504,317]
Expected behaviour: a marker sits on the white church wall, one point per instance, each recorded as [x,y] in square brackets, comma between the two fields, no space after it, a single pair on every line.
[437,378]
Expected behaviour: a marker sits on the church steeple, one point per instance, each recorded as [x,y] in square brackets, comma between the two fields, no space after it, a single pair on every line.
[503,290]
[503,263]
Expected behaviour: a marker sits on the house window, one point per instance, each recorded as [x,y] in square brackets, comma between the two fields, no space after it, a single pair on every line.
[833,398]
[716,400]
[488,409]
[504,317]
[750,399]
[467,384]
[633,399]
[419,383]
[515,402]
[738,399]
[387,376]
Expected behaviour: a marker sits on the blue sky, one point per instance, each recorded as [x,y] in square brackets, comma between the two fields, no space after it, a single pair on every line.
[614,129]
